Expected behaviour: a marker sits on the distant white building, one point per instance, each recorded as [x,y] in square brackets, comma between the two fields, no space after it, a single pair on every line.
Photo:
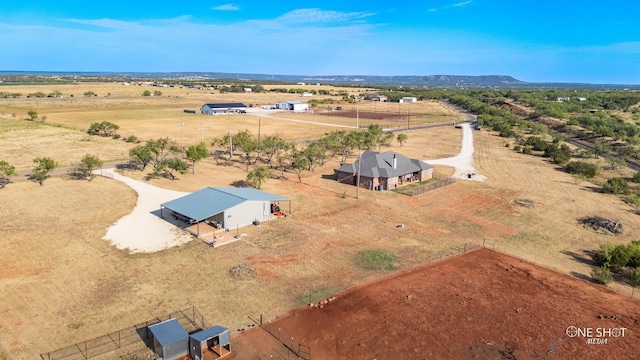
[223,108]
[408,99]
[293,105]
[306,94]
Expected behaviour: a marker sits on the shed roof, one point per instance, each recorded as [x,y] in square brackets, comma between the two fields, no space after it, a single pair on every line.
[209,201]
[225,105]
[168,332]
[209,333]
[375,164]
[294,102]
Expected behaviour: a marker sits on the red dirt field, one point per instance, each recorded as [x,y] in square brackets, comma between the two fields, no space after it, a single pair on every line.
[480,305]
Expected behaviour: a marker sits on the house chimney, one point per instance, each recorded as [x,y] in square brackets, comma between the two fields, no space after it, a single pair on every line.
[395,161]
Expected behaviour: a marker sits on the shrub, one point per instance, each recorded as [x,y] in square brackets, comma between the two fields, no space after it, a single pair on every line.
[132,139]
[636,177]
[527,150]
[616,186]
[583,168]
[537,143]
[601,275]
[517,148]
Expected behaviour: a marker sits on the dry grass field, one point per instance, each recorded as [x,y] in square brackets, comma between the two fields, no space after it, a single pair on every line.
[62,284]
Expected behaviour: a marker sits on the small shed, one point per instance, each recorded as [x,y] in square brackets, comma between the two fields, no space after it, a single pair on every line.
[170,339]
[215,340]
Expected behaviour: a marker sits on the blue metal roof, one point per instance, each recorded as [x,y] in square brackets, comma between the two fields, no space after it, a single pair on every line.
[225,105]
[209,333]
[211,201]
[168,332]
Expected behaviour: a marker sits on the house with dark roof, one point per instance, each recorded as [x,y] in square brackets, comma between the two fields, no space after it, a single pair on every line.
[384,171]
[223,108]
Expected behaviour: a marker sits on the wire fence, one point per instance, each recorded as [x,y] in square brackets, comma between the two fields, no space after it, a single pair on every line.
[288,348]
[129,341]
[421,189]
[552,264]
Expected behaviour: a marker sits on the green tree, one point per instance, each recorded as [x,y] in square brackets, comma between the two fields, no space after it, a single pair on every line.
[402,138]
[257,176]
[299,163]
[316,153]
[247,142]
[86,166]
[44,166]
[146,93]
[142,155]
[6,171]
[168,168]
[157,93]
[161,149]
[270,146]
[105,128]
[636,177]
[33,115]
[196,153]
[600,148]
[616,163]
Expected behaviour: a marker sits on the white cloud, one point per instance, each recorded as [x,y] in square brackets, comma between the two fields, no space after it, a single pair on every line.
[226,7]
[306,16]
[462,3]
[449,6]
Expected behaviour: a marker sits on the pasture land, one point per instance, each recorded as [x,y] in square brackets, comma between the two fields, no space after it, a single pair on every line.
[61,283]
[480,305]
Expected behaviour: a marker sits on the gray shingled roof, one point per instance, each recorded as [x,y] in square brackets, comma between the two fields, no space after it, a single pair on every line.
[375,165]
[211,201]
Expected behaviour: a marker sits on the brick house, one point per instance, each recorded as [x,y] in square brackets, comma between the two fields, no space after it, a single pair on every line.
[384,171]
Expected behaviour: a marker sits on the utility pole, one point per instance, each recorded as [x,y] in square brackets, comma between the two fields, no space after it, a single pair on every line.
[182,134]
[259,119]
[202,129]
[359,154]
[230,145]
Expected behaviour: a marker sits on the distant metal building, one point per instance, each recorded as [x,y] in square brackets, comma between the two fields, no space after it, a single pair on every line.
[216,339]
[170,339]
[408,99]
[223,108]
[293,105]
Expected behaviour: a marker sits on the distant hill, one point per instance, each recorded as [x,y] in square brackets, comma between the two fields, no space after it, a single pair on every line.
[459,81]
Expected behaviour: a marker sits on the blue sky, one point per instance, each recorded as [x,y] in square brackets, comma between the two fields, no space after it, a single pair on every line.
[538,41]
